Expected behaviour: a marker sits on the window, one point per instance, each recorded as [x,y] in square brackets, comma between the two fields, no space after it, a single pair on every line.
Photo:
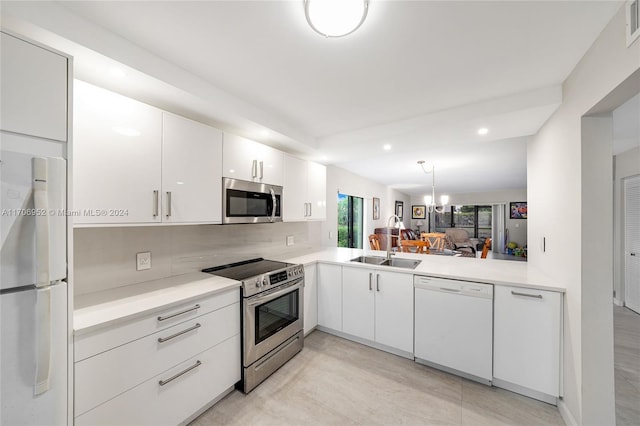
[476,220]
[350,215]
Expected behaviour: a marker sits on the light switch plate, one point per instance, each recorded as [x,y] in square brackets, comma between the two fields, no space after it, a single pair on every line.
[143,260]
[289,240]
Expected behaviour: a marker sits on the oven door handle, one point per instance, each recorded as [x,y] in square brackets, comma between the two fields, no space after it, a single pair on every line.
[267,296]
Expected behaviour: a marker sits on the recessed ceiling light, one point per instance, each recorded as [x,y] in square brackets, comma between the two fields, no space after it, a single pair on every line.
[117,72]
[483,131]
[386,147]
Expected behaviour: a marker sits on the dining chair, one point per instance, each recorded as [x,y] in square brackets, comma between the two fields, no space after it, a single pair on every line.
[374,242]
[414,246]
[485,248]
[435,240]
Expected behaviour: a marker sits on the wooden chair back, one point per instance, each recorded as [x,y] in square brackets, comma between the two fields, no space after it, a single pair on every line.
[414,246]
[485,248]
[435,240]
[374,242]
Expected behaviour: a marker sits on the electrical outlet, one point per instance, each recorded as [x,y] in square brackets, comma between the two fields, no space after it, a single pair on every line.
[289,240]
[143,261]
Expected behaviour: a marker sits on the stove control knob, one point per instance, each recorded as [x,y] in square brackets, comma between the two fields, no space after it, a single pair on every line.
[265,282]
[258,283]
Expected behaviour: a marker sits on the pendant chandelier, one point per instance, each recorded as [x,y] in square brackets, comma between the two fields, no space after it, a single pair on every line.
[430,200]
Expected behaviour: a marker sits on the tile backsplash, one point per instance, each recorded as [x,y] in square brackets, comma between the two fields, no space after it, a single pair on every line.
[105,258]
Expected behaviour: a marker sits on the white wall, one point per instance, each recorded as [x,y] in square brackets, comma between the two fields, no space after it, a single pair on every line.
[559,175]
[625,165]
[344,182]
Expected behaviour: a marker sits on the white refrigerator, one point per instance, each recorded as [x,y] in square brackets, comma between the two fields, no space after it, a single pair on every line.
[33,288]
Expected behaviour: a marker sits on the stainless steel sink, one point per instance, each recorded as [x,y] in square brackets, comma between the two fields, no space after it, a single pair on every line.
[382,261]
[401,263]
[372,260]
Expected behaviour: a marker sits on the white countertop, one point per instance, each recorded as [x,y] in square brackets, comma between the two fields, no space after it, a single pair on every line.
[492,271]
[96,310]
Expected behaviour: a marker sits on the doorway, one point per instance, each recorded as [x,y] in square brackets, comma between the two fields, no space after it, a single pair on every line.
[350,221]
[632,243]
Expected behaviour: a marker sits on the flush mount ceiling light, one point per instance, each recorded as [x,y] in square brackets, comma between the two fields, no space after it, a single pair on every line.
[483,131]
[335,18]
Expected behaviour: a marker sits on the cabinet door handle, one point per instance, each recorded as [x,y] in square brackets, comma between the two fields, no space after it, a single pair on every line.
[254,169]
[179,313]
[633,254]
[377,282]
[535,296]
[261,169]
[168,203]
[175,376]
[155,203]
[310,210]
[453,290]
[370,281]
[179,333]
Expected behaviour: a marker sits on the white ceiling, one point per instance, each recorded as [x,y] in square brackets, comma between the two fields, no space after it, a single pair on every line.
[419,75]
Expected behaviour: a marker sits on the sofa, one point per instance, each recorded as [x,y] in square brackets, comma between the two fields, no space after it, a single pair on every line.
[405,234]
[460,240]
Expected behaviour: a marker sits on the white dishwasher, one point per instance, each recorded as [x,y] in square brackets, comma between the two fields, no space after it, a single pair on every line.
[454,326]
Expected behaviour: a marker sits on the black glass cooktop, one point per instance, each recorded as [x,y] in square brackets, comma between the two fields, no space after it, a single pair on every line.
[240,271]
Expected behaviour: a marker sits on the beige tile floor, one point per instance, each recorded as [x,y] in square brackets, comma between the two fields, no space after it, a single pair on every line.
[626,339]
[337,382]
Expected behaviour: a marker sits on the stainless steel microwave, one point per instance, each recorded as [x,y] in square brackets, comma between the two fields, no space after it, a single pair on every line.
[250,202]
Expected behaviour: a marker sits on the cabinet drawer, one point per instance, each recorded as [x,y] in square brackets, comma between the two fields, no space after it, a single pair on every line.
[150,403]
[110,373]
[90,344]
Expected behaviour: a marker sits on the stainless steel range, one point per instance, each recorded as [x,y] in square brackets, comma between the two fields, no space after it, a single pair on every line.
[272,315]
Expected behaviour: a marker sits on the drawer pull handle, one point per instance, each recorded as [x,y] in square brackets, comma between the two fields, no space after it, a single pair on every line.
[179,313]
[453,290]
[179,333]
[185,371]
[536,296]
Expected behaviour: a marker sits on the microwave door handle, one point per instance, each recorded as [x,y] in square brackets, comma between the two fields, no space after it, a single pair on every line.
[273,205]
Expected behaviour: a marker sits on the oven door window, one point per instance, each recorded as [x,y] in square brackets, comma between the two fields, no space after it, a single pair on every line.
[275,315]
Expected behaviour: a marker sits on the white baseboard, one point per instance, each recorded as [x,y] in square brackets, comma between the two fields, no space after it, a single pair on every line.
[566,415]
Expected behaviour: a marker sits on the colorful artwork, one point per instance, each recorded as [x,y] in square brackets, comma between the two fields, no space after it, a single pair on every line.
[518,210]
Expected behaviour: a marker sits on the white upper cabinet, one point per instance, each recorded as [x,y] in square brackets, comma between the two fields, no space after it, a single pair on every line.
[251,161]
[134,163]
[191,171]
[117,158]
[317,190]
[34,87]
[305,185]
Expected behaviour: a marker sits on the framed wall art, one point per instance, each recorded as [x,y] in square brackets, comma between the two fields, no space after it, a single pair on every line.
[376,208]
[518,210]
[418,212]
[399,209]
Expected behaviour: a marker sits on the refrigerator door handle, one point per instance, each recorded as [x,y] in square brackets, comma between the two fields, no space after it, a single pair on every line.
[43,302]
[43,340]
[41,213]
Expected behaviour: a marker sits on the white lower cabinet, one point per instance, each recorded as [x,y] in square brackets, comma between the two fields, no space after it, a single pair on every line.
[526,348]
[330,296]
[172,397]
[149,372]
[310,298]
[378,306]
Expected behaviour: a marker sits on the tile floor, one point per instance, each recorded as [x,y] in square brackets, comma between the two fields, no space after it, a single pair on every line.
[337,382]
[626,339]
